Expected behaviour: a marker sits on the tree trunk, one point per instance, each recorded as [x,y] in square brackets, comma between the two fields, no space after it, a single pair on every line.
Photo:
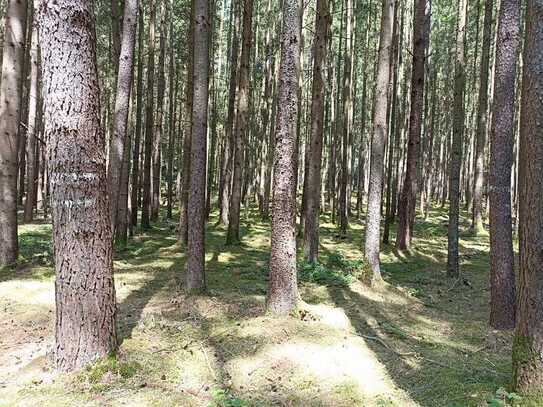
[85,292]
[408,201]
[283,287]
[502,140]
[241,124]
[528,341]
[380,131]
[195,277]
[453,267]
[477,225]
[10,111]
[149,121]
[122,102]
[314,159]
[31,124]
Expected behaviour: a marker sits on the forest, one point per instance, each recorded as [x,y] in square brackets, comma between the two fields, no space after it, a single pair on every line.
[228,203]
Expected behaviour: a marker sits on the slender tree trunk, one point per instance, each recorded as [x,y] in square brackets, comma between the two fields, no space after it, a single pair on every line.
[502,140]
[283,287]
[408,200]
[528,341]
[10,111]
[31,124]
[241,124]
[195,277]
[453,267]
[477,225]
[313,175]
[85,292]
[174,86]
[380,131]
[122,102]
[149,121]
[137,136]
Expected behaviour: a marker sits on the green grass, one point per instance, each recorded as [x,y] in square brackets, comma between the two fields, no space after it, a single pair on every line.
[423,340]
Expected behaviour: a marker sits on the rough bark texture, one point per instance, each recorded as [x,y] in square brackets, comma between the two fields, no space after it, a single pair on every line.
[149,121]
[195,277]
[408,200]
[32,130]
[313,175]
[122,102]
[528,342]
[241,123]
[502,139]
[10,111]
[477,225]
[380,131]
[85,293]
[283,287]
[453,267]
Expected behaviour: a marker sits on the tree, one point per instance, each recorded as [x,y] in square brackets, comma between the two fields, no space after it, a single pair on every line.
[10,111]
[122,101]
[453,267]
[477,223]
[85,292]
[380,131]
[241,123]
[31,124]
[408,200]
[196,203]
[528,341]
[314,159]
[283,286]
[502,275]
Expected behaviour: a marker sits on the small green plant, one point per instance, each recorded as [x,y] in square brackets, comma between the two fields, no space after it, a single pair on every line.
[338,271]
[503,398]
[94,373]
[223,398]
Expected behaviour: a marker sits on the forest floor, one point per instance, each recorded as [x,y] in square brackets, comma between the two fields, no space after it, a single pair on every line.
[423,340]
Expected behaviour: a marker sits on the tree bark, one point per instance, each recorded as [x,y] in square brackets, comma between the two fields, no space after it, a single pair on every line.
[408,200]
[453,267]
[85,292]
[31,125]
[481,126]
[528,341]
[313,175]
[241,124]
[122,103]
[380,131]
[195,277]
[10,111]
[502,140]
[283,287]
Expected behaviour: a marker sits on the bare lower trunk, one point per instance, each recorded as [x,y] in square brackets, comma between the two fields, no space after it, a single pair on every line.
[85,293]
[10,111]
[283,287]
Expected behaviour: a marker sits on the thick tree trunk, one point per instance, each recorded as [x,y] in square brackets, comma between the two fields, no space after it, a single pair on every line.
[31,124]
[380,131]
[10,111]
[314,159]
[453,266]
[195,277]
[149,121]
[122,103]
[85,293]
[241,124]
[528,342]
[481,127]
[502,140]
[408,200]
[283,287]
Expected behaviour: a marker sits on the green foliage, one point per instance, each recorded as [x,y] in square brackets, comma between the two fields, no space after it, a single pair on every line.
[95,373]
[223,398]
[338,271]
[503,398]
